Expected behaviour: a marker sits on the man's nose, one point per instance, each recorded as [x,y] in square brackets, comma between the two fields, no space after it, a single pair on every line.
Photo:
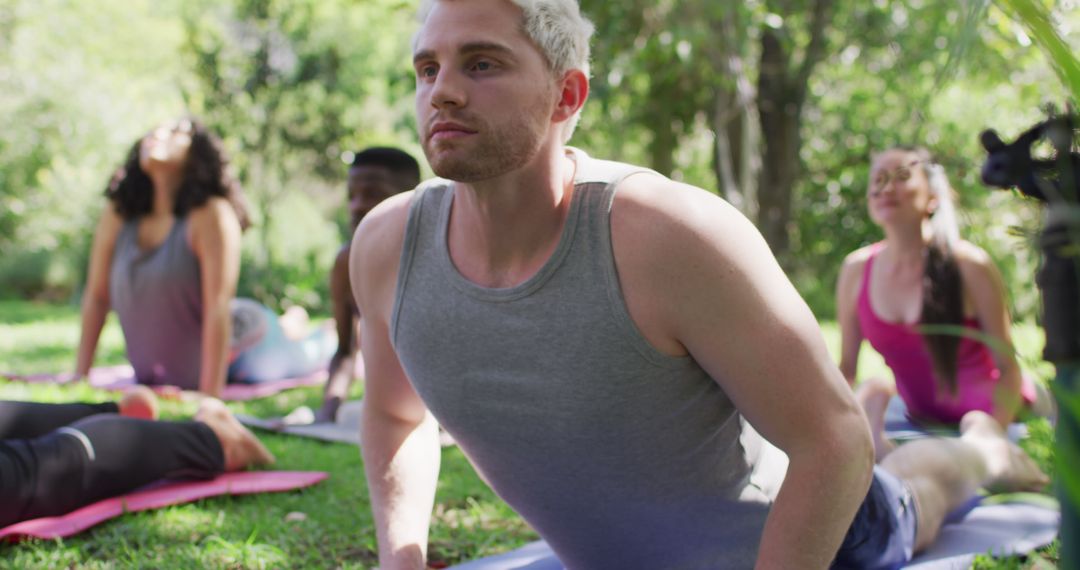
[448,90]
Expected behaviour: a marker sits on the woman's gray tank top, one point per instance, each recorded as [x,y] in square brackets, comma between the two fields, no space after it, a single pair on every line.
[619,455]
[157,295]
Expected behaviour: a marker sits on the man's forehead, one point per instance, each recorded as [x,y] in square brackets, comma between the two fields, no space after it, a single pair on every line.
[460,25]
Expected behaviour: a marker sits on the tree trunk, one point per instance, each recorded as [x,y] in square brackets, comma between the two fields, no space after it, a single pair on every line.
[664,139]
[734,116]
[779,110]
[782,88]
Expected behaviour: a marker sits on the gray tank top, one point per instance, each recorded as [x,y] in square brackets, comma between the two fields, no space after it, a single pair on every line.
[157,295]
[619,456]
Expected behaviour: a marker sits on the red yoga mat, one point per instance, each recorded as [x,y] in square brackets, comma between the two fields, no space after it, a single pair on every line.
[158,495]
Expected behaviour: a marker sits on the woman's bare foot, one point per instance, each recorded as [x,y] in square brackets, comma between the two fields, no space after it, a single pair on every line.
[139,402]
[1009,468]
[240,446]
[295,322]
[301,416]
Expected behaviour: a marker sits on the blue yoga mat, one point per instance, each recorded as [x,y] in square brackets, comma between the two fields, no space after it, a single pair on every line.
[1001,529]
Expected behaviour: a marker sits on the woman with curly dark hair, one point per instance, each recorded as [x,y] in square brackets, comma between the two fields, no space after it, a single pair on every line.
[166,257]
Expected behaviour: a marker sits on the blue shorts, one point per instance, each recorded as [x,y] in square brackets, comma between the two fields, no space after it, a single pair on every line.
[882,536]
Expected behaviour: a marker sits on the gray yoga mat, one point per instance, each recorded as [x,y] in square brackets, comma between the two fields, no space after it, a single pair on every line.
[345,430]
[1001,529]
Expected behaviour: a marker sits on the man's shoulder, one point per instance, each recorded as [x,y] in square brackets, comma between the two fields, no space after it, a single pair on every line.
[385,223]
[593,170]
[431,188]
[664,223]
[649,197]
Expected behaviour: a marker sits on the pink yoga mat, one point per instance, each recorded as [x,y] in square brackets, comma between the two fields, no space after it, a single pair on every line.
[121,377]
[158,495]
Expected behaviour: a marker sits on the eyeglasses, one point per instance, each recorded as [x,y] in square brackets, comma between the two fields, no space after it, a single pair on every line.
[883,178]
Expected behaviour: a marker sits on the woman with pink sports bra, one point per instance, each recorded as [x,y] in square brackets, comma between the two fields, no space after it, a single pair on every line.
[921,280]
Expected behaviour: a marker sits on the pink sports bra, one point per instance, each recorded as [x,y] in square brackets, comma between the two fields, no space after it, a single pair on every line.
[905,353]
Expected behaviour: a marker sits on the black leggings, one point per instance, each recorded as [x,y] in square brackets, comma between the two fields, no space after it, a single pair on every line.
[55,458]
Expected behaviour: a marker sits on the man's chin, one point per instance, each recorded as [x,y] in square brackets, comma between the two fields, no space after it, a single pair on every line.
[464,173]
[458,169]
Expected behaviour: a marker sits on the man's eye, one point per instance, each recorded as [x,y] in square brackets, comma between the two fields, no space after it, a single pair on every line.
[482,65]
[426,71]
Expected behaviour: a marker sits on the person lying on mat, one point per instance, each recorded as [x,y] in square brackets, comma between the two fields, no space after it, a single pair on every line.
[923,274]
[600,339]
[375,174]
[166,257]
[55,458]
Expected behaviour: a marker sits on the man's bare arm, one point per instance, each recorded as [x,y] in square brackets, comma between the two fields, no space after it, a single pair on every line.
[399,438]
[699,279]
[343,363]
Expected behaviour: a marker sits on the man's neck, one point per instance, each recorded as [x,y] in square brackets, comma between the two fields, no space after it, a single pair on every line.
[503,230]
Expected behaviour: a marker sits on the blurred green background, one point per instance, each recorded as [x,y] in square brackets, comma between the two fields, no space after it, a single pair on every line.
[776,105]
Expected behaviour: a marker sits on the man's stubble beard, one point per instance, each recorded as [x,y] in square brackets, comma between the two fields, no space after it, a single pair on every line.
[496,151]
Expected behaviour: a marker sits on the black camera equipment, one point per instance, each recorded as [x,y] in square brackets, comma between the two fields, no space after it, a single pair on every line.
[1056,182]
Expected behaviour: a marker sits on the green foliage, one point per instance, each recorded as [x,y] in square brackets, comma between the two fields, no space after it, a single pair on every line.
[293,85]
[905,72]
[1038,20]
[303,243]
[897,78]
[75,100]
[274,77]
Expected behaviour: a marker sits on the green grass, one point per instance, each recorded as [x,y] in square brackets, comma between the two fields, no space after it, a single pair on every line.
[249,531]
[336,530]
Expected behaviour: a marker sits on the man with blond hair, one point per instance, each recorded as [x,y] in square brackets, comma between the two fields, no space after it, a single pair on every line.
[599,339]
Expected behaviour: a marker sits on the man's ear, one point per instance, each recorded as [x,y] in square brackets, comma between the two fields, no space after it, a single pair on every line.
[573,91]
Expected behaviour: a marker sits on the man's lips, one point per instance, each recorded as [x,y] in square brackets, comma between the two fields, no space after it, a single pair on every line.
[446,130]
